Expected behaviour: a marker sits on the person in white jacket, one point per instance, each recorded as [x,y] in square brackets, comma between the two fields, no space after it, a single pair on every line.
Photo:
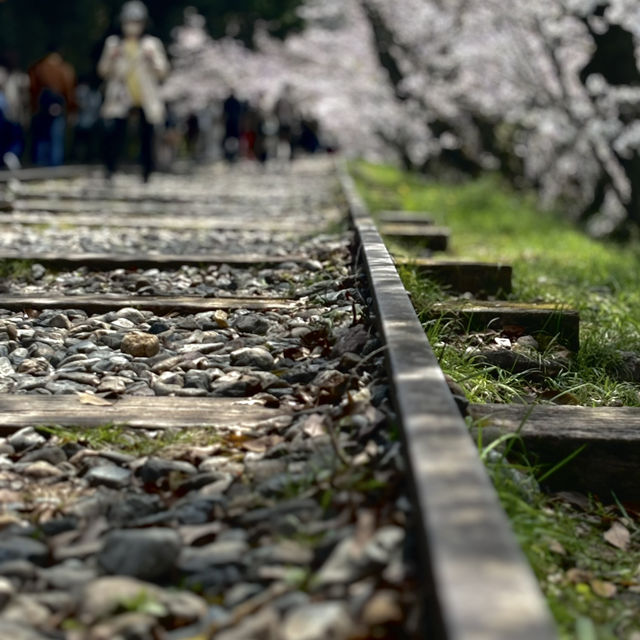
[133,66]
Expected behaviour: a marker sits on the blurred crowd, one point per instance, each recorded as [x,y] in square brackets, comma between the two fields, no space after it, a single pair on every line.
[49,116]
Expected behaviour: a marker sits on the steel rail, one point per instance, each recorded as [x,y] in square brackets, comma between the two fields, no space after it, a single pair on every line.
[479,585]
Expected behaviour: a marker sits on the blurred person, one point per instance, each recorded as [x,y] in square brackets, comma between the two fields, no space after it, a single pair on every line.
[52,87]
[133,67]
[232,114]
[14,89]
[285,112]
[309,135]
[192,136]
[86,130]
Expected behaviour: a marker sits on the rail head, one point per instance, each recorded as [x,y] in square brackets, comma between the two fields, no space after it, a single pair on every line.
[479,584]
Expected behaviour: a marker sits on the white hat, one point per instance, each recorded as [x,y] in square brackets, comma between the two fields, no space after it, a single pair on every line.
[134,11]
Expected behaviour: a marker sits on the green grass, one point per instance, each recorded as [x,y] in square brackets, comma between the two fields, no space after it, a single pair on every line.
[593,588]
[126,440]
[18,269]
[553,262]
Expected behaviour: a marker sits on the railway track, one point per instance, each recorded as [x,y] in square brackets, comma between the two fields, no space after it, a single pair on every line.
[221,419]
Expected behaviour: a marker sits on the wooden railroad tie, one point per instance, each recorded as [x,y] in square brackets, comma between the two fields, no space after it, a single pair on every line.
[157,304]
[405,217]
[46,173]
[109,261]
[478,278]
[157,221]
[606,440]
[421,235]
[146,412]
[515,319]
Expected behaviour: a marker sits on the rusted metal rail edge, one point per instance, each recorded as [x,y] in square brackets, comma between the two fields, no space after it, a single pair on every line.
[479,585]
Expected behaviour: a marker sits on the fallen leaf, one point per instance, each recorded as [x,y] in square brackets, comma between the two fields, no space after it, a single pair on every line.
[513,331]
[576,576]
[559,397]
[573,498]
[260,445]
[221,319]
[603,589]
[96,401]
[556,547]
[314,425]
[618,536]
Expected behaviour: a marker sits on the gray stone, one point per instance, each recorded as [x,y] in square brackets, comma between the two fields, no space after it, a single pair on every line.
[286,552]
[263,470]
[6,368]
[60,320]
[18,570]
[252,323]
[133,625]
[25,439]
[214,616]
[264,623]
[81,377]
[318,621]
[291,600]
[155,469]
[256,357]
[18,631]
[7,590]
[39,470]
[133,507]
[110,476]
[41,350]
[67,576]
[241,592]
[24,607]
[185,607]
[113,384]
[351,560]
[141,553]
[52,455]
[236,385]
[133,315]
[216,554]
[112,339]
[37,271]
[106,595]
[55,600]
[34,367]
[83,347]
[123,323]
[196,379]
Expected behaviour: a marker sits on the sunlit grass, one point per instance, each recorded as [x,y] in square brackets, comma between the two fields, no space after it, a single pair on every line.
[553,262]
[592,588]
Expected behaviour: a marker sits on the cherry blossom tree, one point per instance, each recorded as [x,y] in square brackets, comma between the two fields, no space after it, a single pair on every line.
[518,87]
[526,88]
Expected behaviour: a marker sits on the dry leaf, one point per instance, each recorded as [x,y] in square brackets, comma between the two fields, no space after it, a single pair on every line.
[556,547]
[96,401]
[603,589]
[260,445]
[314,426]
[221,319]
[618,536]
[576,576]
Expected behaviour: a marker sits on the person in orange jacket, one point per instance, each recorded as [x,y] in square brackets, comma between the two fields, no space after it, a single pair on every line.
[52,90]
